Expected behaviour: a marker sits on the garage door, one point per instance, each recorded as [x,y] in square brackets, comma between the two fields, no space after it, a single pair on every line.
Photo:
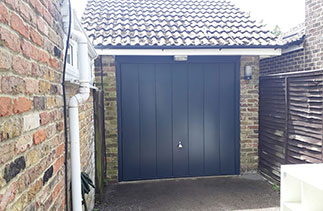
[178,119]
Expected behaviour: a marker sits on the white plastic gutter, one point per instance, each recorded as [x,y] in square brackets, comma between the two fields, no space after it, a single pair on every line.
[193,52]
[81,97]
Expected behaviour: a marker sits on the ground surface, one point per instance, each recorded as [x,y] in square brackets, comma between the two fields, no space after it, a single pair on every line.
[248,192]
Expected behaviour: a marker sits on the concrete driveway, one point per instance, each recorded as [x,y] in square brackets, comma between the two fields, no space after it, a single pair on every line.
[249,192]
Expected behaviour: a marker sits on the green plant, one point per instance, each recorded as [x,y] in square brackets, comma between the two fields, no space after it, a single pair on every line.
[106,181]
[276,187]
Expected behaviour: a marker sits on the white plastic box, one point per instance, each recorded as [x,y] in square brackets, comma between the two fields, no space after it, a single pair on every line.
[301,187]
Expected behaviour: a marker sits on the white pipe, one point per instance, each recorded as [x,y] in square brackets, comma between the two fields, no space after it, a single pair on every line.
[74,102]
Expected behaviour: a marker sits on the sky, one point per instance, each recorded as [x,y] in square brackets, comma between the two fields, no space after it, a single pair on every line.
[284,13]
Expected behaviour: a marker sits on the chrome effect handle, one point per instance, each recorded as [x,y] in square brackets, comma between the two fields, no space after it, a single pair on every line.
[180,145]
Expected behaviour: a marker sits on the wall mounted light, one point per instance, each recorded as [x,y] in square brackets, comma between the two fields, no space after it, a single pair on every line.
[248,72]
[180,58]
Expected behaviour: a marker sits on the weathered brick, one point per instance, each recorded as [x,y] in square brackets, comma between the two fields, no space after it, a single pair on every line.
[21,105]
[28,50]
[5,62]
[4,14]
[14,168]
[18,25]
[37,5]
[39,136]
[32,86]
[8,196]
[21,65]
[33,156]
[11,128]
[31,121]
[7,153]
[34,189]
[57,52]
[43,56]
[44,118]
[60,126]
[12,84]
[47,16]
[37,71]
[54,63]
[54,89]
[48,174]
[42,26]
[39,103]
[51,131]
[60,149]
[45,3]
[36,37]
[58,164]
[11,40]
[23,144]
[5,106]
[44,86]
[57,189]
[20,203]
[12,4]
[25,12]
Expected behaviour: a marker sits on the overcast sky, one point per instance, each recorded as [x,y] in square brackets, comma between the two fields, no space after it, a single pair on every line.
[284,13]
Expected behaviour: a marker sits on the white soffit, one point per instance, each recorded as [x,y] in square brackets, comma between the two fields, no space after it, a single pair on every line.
[192,52]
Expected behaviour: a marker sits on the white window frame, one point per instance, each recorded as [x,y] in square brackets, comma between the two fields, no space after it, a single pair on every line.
[72,70]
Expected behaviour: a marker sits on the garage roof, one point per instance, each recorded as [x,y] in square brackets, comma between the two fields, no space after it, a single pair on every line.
[172,23]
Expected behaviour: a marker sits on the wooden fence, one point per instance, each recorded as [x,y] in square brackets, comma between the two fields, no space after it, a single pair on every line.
[290,121]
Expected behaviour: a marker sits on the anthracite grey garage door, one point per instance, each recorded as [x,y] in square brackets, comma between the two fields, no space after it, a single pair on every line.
[178,119]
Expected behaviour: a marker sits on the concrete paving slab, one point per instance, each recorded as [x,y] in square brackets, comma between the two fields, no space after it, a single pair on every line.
[238,193]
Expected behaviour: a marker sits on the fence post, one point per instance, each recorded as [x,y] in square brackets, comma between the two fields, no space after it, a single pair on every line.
[286,120]
[99,143]
[322,117]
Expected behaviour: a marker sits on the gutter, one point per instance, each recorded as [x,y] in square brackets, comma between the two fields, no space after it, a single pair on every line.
[193,52]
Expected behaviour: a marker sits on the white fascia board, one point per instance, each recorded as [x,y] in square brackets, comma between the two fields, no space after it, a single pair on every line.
[192,52]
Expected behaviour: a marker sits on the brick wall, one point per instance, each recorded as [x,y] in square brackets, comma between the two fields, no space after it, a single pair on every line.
[314,34]
[31,108]
[87,135]
[249,115]
[110,118]
[311,55]
[289,62]
[249,96]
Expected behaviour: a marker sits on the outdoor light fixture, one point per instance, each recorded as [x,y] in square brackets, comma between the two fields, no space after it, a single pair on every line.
[180,58]
[248,72]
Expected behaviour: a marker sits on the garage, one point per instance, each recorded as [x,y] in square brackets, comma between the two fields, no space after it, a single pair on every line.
[181,87]
[178,119]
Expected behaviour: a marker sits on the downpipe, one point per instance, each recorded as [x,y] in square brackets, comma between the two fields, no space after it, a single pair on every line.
[74,102]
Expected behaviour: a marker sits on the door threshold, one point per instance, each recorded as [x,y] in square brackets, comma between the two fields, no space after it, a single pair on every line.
[178,178]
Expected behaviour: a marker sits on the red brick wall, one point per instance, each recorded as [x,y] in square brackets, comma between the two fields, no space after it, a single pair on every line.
[31,108]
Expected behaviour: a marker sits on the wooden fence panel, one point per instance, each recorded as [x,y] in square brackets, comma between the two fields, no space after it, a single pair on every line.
[272,133]
[290,120]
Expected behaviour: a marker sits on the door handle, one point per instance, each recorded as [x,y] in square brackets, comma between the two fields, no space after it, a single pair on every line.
[180,145]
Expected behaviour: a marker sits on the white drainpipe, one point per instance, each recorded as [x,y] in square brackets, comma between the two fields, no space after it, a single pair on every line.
[74,102]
